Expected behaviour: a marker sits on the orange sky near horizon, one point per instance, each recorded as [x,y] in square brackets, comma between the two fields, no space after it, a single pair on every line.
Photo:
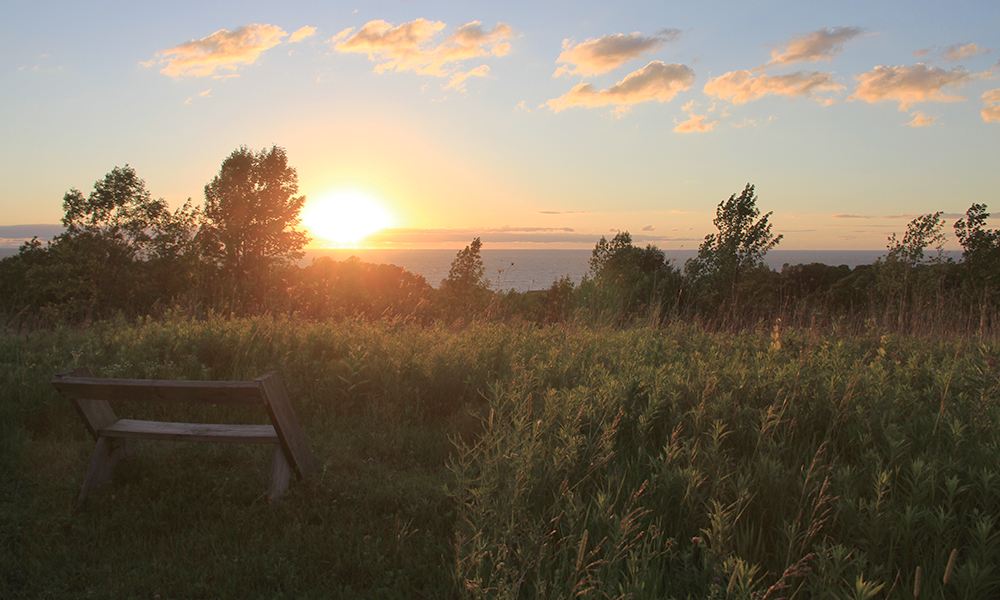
[529,125]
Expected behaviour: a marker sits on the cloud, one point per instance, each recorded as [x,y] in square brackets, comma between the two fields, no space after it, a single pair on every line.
[964,51]
[200,95]
[741,86]
[813,47]
[920,119]
[221,50]
[457,81]
[991,106]
[849,216]
[907,85]
[648,228]
[604,54]
[409,46]
[695,123]
[489,235]
[301,33]
[12,236]
[656,81]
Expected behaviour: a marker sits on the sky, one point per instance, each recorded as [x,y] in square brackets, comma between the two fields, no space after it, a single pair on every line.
[528,124]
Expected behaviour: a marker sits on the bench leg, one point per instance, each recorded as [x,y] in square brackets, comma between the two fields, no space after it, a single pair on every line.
[281,473]
[106,455]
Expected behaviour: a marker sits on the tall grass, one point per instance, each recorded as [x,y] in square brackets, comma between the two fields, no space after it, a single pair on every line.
[694,465]
[501,461]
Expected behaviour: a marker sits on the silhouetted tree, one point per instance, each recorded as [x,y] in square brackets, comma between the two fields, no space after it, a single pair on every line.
[980,260]
[250,219]
[904,278]
[626,280]
[465,288]
[122,251]
[728,258]
[329,288]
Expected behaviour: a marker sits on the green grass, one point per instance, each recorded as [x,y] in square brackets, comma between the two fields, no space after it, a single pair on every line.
[508,461]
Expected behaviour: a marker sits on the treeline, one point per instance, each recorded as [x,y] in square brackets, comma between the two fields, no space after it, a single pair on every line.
[124,253]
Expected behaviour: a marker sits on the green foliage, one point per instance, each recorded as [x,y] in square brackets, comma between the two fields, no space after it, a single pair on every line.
[122,251]
[980,255]
[905,282]
[681,464]
[328,288]
[495,461]
[250,218]
[921,233]
[721,274]
[627,282]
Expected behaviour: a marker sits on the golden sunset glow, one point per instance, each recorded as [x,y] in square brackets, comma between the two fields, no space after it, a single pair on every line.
[344,218]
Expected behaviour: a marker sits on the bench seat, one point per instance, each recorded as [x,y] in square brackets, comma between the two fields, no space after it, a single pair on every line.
[92,397]
[192,432]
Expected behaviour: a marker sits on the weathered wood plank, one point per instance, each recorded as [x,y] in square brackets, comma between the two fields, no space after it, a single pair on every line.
[190,432]
[281,474]
[95,413]
[155,390]
[106,455]
[293,440]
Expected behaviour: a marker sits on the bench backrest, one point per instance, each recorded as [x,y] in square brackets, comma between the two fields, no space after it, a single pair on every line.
[92,397]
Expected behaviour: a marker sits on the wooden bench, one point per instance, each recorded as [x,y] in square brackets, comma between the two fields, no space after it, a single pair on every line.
[92,397]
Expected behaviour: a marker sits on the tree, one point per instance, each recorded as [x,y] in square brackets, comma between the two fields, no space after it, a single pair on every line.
[465,288]
[122,251]
[627,280]
[980,255]
[921,233]
[726,259]
[250,218]
[904,279]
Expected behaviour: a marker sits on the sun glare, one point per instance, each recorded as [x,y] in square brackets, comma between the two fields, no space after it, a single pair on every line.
[345,218]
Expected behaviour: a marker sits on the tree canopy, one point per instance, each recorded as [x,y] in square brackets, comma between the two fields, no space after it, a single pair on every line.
[738,249]
[251,214]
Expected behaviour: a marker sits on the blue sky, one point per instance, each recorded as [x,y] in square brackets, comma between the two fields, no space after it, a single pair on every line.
[541,124]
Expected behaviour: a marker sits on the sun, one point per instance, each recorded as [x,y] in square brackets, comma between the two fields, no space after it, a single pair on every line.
[345,218]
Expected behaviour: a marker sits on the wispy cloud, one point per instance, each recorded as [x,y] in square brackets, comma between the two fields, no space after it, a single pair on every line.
[12,236]
[506,234]
[302,33]
[991,106]
[920,119]
[457,81]
[695,123]
[742,86]
[963,51]
[953,53]
[200,95]
[596,56]
[656,81]
[410,47]
[819,45]
[909,84]
[222,50]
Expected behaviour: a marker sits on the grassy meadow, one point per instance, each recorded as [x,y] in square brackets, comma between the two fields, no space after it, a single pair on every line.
[499,460]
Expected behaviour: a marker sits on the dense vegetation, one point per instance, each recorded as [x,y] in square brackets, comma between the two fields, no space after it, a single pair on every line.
[716,431]
[501,461]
